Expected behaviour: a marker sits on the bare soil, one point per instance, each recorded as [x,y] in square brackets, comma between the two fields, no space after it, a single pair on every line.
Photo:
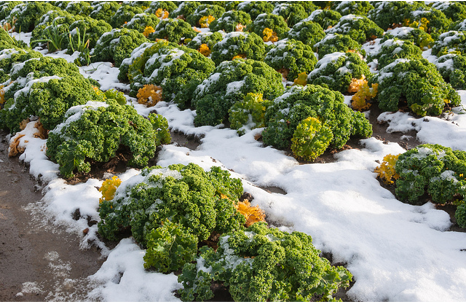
[37,263]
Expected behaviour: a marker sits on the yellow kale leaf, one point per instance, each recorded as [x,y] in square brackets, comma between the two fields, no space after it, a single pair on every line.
[108,188]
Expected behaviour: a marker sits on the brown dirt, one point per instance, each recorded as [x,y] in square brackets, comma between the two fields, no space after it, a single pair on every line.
[46,256]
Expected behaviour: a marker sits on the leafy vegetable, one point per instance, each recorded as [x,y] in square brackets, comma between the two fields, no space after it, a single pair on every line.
[337,70]
[300,102]
[229,83]
[262,264]
[235,43]
[196,203]
[291,57]
[308,32]
[416,81]
[177,69]
[276,23]
[95,131]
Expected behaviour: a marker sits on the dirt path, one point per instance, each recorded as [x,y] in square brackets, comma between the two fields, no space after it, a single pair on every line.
[36,262]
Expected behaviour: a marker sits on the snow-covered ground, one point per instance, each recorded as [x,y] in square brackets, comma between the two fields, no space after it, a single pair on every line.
[396,251]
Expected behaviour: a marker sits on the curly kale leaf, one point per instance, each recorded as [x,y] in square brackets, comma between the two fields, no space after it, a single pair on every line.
[228,84]
[251,46]
[169,247]
[261,264]
[336,70]
[418,83]
[293,56]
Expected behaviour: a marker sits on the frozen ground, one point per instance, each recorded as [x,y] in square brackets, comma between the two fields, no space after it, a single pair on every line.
[396,251]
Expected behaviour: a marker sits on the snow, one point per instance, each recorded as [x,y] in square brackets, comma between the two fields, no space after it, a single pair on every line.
[396,251]
[104,73]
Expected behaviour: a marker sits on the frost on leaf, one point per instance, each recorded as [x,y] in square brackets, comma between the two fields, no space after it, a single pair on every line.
[149,95]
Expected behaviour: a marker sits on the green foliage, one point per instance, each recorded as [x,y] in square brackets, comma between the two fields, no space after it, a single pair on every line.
[28,14]
[169,247]
[229,20]
[191,199]
[452,9]
[438,22]
[6,7]
[293,56]
[359,28]
[164,5]
[450,42]
[95,131]
[388,13]
[249,113]
[393,49]
[124,66]
[352,7]
[336,70]
[238,43]
[8,42]
[185,9]
[93,28]
[115,46]
[337,43]
[228,84]
[416,81]
[204,10]
[55,32]
[160,124]
[209,38]
[116,95]
[308,32]
[300,102]
[124,14]
[434,168]
[177,69]
[255,8]
[419,37]
[325,18]
[359,125]
[53,16]
[74,7]
[104,10]
[453,70]
[140,21]
[308,6]
[291,12]
[460,215]
[231,5]
[173,30]
[310,139]
[219,3]
[51,86]
[263,264]
[271,21]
